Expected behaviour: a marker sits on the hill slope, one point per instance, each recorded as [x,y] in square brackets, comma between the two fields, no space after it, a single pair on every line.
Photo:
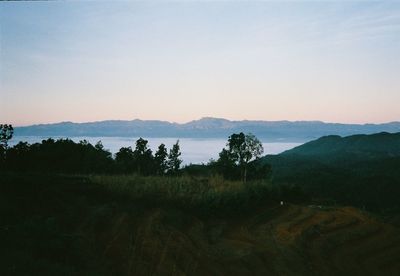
[379,145]
[288,240]
[359,170]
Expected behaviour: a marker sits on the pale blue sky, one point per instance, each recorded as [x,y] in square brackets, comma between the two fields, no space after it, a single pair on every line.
[178,61]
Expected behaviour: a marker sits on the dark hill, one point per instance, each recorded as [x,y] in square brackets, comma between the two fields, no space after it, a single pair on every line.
[377,145]
[361,170]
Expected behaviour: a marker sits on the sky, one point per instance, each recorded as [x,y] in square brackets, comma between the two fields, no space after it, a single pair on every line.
[334,61]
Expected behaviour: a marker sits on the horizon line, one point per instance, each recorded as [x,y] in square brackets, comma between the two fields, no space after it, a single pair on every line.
[203,118]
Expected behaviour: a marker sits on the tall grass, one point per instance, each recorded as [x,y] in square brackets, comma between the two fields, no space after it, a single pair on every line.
[212,194]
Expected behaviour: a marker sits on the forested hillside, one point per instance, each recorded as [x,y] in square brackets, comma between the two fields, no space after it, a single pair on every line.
[361,170]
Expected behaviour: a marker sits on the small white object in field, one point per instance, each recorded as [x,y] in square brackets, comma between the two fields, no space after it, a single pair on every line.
[281,202]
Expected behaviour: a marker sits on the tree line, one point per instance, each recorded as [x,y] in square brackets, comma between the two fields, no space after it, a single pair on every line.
[235,161]
[67,156]
[142,161]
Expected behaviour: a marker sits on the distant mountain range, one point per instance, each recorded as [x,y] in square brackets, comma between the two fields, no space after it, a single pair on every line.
[298,131]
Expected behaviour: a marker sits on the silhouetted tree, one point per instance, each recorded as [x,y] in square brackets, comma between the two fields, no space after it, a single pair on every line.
[174,162]
[143,157]
[6,133]
[160,160]
[241,150]
[226,165]
[125,160]
[100,148]
[104,157]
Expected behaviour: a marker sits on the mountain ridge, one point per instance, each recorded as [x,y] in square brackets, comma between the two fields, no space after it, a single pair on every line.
[206,127]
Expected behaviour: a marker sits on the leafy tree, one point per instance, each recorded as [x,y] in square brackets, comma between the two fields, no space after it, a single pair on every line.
[124,159]
[160,160]
[143,157]
[226,165]
[174,162]
[99,146]
[104,156]
[241,150]
[6,133]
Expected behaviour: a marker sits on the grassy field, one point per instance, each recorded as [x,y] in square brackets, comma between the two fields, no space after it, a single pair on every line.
[132,225]
[211,196]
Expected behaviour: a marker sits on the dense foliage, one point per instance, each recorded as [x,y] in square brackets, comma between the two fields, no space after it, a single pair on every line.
[66,156]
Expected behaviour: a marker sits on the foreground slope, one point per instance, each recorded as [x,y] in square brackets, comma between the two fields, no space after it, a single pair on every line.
[73,226]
